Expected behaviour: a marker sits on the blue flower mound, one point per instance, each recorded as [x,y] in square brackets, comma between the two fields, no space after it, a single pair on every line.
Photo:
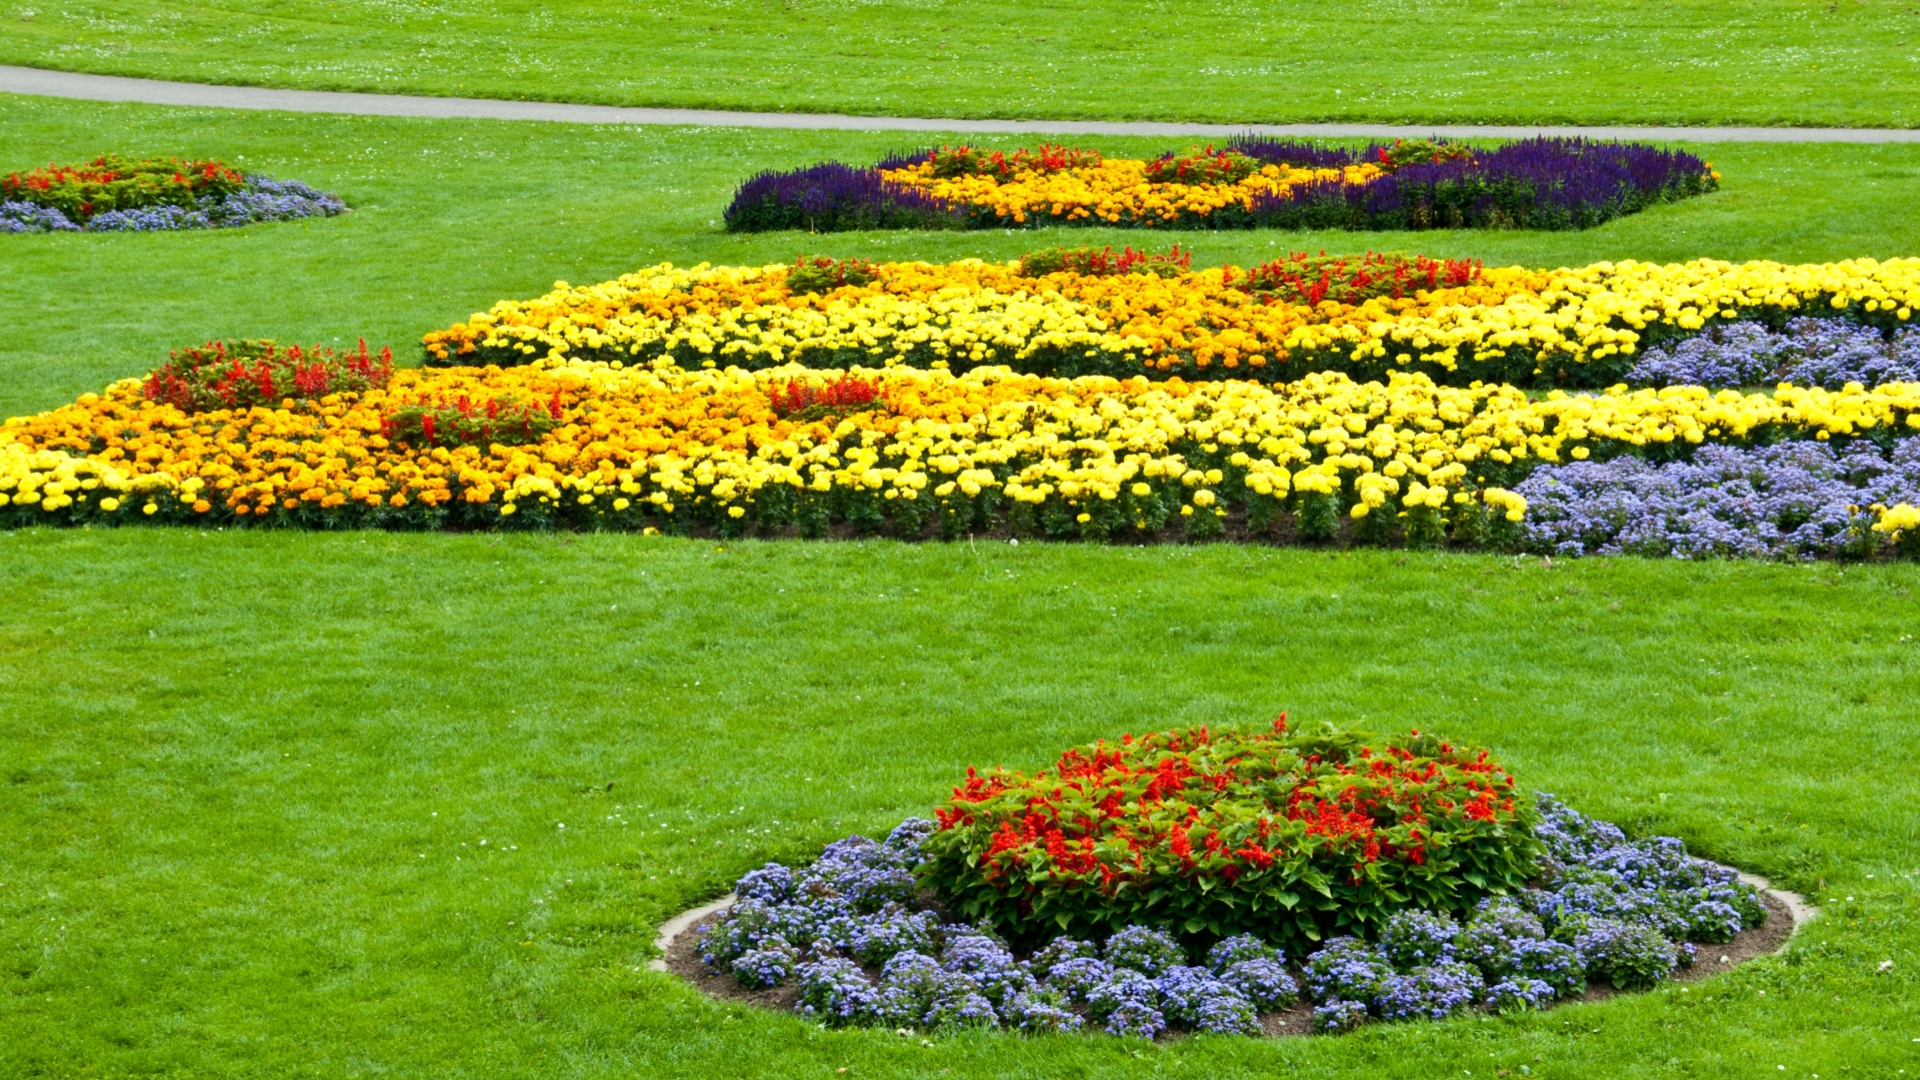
[261,199]
[851,933]
[1810,352]
[1799,499]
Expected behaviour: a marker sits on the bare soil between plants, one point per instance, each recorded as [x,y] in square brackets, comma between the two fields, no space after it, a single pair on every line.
[680,944]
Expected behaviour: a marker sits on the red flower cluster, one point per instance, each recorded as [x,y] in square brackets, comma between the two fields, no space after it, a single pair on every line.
[242,374]
[111,182]
[1308,279]
[848,393]
[466,422]
[1202,165]
[967,161]
[1228,828]
[1102,262]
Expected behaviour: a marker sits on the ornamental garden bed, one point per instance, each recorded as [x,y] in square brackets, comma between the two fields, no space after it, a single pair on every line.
[1070,312]
[1546,183]
[1249,883]
[116,194]
[622,417]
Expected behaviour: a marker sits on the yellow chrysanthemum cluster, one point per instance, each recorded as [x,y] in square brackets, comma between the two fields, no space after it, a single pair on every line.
[662,447]
[1114,190]
[1509,324]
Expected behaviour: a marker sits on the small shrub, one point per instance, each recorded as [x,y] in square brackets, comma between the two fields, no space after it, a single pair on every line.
[1202,165]
[463,421]
[111,182]
[1249,832]
[261,372]
[821,274]
[1102,262]
[1300,278]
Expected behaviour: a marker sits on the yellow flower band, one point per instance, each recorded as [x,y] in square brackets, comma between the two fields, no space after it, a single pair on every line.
[1573,327]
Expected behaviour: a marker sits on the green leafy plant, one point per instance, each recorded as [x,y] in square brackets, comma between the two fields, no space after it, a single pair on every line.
[821,274]
[1300,278]
[950,161]
[506,421]
[112,182]
[1202,165]
[1102,262]
[1292,836]
[260,371]
[1404,152]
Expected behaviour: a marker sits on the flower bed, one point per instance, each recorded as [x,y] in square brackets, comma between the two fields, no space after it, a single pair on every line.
[1252,183]
[1203,881]
[1806,352]
[1367,316]
[113,194]
[911,452]
[1796,499]
[592,446]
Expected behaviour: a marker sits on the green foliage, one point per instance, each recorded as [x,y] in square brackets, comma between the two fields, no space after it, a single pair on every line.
[1294,837]
[111,182]
[1404,152]
[260,372]
[1202,165]
[951,161]
[1102,262]
[464,422]
[822,274]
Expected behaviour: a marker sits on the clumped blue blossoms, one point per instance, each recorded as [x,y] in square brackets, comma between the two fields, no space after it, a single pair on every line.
[1799,499]
[259,199]
[850,932]
[1808,352]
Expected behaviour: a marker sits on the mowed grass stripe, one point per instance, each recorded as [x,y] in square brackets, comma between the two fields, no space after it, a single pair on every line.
[1765,62]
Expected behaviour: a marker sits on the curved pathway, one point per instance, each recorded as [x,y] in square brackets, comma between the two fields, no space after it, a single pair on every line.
[21,80]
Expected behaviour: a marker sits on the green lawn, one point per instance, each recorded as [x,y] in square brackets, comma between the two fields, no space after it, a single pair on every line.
[1795,62]
[453,215]
[238,772]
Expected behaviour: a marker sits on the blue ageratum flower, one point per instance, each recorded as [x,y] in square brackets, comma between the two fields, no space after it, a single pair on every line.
[1229,951]
[259,199]
[1266,983]
[1433,991]
[835,992]
[1519,995]
[764,967]
[1146,949]
[1412,937]
[24,217]
[1792,500]
[1348,969]
[1337,1016]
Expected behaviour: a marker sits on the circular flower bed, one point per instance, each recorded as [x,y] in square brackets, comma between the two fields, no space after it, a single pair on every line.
[114,194]
[1219,882]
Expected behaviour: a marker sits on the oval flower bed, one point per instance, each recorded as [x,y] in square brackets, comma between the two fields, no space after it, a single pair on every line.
[1226,883]
[115,194]
[1547,183]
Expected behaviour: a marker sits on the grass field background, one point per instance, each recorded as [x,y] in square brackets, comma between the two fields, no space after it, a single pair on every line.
[247,776]
[1850,62]
[453,215]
